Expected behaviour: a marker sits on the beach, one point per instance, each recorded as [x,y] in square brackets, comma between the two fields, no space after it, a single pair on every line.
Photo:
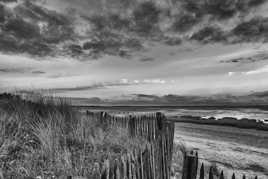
[243,151]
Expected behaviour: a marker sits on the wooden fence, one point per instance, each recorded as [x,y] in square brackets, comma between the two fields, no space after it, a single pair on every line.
[154,162]
[190,169]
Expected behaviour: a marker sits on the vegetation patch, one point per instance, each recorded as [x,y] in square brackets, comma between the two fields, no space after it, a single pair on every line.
[46,137]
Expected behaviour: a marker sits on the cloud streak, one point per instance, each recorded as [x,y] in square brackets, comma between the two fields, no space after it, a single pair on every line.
[13,70]
[257,71]
[250,58]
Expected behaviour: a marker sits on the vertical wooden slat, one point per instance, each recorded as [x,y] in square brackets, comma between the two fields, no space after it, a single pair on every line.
[221,176]
[155,161]
[210,173]
[190,166]
[233,176]
[202,172]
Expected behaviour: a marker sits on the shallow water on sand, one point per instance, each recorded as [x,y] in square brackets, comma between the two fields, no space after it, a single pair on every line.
[239,113]
[242,151]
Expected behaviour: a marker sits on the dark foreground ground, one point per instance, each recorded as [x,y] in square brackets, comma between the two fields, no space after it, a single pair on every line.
[229,148]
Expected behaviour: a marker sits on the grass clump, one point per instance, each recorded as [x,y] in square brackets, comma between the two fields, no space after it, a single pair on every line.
[46,137]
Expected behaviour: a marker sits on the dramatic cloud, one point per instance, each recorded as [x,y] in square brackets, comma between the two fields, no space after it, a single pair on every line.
[209,34]
[255,29]
[155,47]
[223,17]
[220,8]
[29,28]
[185,22]
[91,28]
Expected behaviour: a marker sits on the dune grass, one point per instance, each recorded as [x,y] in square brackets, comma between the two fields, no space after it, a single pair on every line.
[46,137]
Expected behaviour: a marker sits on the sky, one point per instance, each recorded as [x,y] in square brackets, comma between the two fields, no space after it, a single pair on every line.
[40,50]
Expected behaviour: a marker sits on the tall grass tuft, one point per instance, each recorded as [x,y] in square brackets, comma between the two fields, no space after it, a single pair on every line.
[43,136]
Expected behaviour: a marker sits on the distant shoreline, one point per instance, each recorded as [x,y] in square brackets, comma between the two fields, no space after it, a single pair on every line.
[225,121]
[261,107]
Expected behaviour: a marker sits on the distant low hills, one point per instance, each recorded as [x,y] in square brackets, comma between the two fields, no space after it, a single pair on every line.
[260,94]
[253,99]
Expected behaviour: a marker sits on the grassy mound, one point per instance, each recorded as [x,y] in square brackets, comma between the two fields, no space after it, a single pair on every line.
[46,137]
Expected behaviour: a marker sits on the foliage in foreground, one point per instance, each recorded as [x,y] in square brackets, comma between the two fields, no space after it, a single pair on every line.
[48,138]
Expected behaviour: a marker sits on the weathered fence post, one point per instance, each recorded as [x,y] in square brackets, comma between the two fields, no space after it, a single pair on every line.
[152,163]
[233,176]
[210,173]
[202,172]
[1,174]
[132,126]
[221,176]
[190,165]
[159,120]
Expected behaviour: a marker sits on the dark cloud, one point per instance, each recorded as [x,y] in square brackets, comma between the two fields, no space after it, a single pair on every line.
[11,44]
[253,30]
[219,8]
[75,50]
[29,28]
[109,43]
[209,34]
[147,59]
[37,13]
[57,27]
[12,70]
[8,1]
[21,28]
[2,13]
[255,2]
[184,22]
[146,16]
[194,13]
[38,72]
[172,41]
